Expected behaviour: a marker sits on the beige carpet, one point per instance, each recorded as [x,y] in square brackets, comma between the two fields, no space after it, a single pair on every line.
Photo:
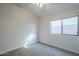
[38,50]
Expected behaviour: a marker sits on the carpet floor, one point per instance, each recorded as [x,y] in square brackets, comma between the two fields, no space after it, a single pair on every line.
[39,50]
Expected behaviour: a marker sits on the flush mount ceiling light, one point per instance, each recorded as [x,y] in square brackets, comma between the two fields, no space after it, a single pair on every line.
[41,5]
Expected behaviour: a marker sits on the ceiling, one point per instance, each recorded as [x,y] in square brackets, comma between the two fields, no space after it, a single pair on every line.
[50,8]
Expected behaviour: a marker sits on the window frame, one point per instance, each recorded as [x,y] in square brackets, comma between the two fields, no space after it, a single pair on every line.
[51,28]
[77,26]
[62,26]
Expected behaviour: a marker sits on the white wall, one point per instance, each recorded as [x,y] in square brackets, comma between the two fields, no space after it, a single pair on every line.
[68,42]
[16,25]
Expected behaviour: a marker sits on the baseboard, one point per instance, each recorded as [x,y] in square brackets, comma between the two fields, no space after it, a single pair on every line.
[60,48]
[3,52]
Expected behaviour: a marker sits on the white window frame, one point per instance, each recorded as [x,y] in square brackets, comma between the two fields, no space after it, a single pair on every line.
[62,27]
[76,28]
[51,28]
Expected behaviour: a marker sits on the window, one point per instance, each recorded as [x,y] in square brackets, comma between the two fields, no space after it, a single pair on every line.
[70,26]
[56,26]
[64,26]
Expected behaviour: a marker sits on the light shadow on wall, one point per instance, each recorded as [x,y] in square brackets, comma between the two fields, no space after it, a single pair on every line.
[29,40]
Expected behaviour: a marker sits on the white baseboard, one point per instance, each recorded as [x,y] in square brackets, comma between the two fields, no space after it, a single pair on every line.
[11,49]
[66,49]
[2,52]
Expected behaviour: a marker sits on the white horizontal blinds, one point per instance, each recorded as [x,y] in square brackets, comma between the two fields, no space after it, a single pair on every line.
[56,27]
[70,26]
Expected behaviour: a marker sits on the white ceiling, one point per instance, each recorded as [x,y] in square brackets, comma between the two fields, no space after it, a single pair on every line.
[51,8]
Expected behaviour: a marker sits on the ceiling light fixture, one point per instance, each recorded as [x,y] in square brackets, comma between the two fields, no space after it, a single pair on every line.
[41,5]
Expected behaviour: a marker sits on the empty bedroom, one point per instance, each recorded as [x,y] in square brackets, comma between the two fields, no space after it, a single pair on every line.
[39,29]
